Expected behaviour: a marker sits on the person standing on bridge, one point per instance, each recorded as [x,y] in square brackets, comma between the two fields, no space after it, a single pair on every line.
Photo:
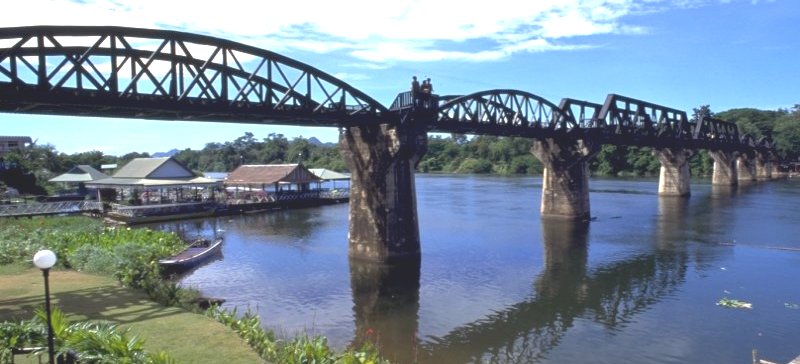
[426,93]
[414,91]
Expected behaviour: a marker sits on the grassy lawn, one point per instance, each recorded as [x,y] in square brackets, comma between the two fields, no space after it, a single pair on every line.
[185,336]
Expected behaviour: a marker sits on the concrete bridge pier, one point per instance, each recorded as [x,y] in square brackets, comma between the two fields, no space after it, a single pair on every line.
[763,166]
[746,167]
[674,176]
[383,205]
[565,181]
[725,173]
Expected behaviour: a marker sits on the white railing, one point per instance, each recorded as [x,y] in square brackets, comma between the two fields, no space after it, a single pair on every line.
[50,208]
[335,194]
[162,209]
[298,196]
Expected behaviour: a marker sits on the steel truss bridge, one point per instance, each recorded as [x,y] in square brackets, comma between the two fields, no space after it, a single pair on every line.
[170,75]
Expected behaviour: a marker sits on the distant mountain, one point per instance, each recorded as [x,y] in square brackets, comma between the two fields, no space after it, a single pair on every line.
[317,142]
[171,153]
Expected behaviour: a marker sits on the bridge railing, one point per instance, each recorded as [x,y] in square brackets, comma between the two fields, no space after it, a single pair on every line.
[406,100]
[335,194]
[295,196]
[49,208]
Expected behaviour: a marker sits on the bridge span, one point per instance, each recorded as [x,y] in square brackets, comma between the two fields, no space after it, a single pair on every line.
[168,75]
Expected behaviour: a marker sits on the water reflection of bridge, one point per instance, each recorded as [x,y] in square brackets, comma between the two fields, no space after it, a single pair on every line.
[386,300]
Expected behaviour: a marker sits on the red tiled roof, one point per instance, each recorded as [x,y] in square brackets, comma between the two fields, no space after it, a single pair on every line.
[269,174]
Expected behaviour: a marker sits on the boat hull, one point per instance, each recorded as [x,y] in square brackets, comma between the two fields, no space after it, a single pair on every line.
[191,257]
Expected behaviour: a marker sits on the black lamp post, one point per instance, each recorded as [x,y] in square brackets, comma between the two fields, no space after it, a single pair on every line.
[44,260]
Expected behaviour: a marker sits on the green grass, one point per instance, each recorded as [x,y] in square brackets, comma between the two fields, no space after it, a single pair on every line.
[185,336]
[130,256]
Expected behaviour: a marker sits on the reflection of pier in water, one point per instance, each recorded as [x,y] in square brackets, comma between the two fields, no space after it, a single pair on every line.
[386,300]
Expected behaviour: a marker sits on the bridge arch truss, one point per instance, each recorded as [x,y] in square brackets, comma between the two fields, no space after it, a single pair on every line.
[498,112]
[160,74]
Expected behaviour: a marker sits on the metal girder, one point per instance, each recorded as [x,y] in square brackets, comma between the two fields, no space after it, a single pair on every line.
[630,121]
[765,145]
[170,75]
[578,114]
[160,74]
[497,112]
[716,134]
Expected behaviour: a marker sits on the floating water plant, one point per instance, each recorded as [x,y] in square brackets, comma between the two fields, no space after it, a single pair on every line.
[734,303]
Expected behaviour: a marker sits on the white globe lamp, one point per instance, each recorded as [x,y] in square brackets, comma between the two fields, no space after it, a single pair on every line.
[44,259]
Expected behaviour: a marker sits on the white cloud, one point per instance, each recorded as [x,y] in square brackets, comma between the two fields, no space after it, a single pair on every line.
[371,30]
[349,77]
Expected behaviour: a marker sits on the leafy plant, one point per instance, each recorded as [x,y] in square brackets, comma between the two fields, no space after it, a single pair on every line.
[19,334]
[304,350]
[300,350]
[90,342]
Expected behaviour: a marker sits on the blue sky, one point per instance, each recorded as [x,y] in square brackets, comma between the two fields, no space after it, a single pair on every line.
[681,54]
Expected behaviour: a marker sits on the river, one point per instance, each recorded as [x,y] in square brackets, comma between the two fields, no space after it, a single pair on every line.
[639,283]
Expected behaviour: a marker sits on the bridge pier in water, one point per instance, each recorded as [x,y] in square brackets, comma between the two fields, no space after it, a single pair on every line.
[674,177]
[746,167]
[763,166]
[383,206]
[565,180]
[725,172]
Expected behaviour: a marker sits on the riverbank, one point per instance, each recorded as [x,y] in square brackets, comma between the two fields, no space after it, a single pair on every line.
[187,337]
[129,255]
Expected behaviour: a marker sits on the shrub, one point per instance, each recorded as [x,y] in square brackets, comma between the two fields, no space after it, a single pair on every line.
[136,264]
[471,165]
[93,259]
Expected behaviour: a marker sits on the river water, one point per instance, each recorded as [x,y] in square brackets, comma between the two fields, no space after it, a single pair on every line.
[498,284]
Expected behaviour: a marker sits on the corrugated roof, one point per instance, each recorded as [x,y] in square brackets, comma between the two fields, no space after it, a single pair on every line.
[329,175]
[24,139]
[147,167]
[80,173]
[216,175]
[257,174]
[144,182]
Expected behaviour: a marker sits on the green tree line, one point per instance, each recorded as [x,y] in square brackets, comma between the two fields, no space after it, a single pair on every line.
[446,154]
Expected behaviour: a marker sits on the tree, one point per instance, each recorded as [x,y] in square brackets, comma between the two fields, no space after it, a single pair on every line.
[757,123]
[699,113]
[299,150]
[787,136]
